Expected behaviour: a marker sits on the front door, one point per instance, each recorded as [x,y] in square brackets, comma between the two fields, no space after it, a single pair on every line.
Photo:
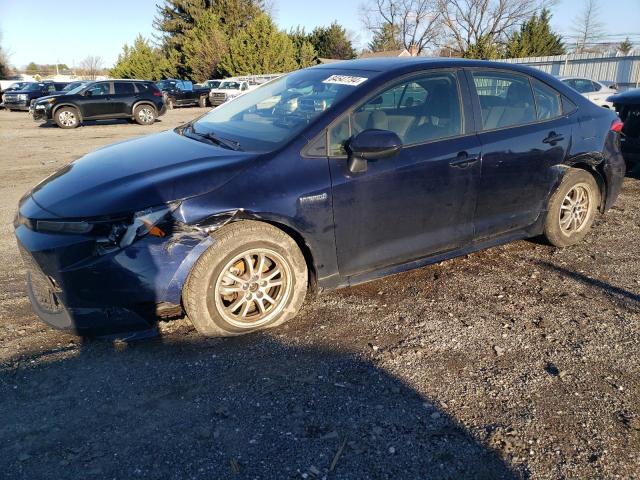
[419,202]
[96,101]
[524,133]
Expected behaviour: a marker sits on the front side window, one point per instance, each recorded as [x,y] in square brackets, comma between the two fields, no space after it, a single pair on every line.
[99,89]
[548,101]
[506,99]
[274,113]
[418,110]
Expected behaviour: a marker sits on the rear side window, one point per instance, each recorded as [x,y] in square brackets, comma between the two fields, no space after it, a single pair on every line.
[506,99]
[142,87]
[123,88]
[548,101]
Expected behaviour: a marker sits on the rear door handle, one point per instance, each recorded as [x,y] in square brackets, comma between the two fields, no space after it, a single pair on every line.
[463,160]
[553,138]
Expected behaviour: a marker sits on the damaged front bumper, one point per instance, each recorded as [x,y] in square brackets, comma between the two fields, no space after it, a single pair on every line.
[73,288]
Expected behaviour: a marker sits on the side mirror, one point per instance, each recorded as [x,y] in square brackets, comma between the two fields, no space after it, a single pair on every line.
[372,144]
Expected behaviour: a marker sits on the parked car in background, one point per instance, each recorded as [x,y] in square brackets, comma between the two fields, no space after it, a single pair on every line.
[15,86]
[182,93]
[379,166]
[627,105]
[597,92]
[228,89]
[138,100]
[21,99]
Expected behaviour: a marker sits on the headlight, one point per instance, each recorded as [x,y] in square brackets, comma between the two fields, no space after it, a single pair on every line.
[144,222]
[22,96]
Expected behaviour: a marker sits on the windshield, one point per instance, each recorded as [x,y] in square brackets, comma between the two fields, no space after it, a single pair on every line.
[272,114]
[32,87]
[165,84]
[72,86]
[77,89]
[230,86]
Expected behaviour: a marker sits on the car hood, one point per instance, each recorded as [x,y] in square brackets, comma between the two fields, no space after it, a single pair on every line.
[630,97]
[136,174]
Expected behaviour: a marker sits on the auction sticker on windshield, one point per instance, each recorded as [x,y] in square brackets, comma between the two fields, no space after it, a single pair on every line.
[345,80]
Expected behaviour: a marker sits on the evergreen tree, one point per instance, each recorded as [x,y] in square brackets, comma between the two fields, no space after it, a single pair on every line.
[175,18]
[535,38]
[141,60]
[385,39]
[485,49]
[332,42]
[259,48]
[204,46]
[306,55]
[626,46]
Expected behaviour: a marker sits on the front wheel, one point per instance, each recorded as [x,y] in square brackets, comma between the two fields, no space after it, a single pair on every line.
[67,117]
[170,103]
[202,102]
[253,277]
[144,114]
[572,208]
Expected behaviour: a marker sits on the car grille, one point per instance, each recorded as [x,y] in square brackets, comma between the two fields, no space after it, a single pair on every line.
[218,97]
[10,98]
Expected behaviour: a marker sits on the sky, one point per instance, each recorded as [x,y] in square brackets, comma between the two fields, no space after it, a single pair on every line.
[35,30]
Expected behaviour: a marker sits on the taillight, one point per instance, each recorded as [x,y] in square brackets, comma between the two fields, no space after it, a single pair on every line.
[157,93]
[616,125]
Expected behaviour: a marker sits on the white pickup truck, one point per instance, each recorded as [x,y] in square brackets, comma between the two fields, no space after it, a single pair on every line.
[227,90]
[231,88]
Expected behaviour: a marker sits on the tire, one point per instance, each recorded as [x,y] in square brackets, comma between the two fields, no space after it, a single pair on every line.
[67,117]
[170,103]
[202,102]
[216,314]
[572,208]
[144,114]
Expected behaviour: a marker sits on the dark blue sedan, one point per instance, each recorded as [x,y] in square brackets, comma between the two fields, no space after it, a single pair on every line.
[323,178]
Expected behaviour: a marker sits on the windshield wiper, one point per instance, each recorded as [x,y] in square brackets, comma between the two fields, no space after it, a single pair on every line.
[212,137]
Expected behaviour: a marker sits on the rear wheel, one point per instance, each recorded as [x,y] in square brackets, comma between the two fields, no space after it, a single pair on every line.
[202,102]
[144,114]
[254,277]
[572,208]
[67,117]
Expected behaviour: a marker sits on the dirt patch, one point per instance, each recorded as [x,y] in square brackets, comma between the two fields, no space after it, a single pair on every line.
[519,361]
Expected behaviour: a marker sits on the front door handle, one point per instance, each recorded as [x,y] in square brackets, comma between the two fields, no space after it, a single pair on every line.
[463,160]
[553,138]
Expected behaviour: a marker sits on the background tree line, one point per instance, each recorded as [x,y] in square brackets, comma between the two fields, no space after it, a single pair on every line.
[202,39]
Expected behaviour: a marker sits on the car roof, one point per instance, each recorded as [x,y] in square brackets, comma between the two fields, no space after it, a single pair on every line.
[385,64]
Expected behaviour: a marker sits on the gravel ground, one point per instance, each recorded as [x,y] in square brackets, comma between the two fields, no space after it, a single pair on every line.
[517,362]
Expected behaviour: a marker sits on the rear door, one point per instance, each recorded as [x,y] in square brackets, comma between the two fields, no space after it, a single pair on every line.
[124,94]
[523,134]
[419,202]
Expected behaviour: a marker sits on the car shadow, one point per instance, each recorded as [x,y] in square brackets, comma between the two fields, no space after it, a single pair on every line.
[249,407]
[89,123]
[623,296]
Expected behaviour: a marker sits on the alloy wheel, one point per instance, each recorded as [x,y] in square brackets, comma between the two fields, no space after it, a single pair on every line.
[145,115]
[67,118]
[253,288]
[575,208]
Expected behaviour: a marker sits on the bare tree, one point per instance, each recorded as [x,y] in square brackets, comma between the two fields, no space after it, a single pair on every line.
[91,66]
[417,22]
[587,28]
[469,23]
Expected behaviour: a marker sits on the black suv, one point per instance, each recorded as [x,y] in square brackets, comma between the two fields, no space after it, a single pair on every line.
[21,99]
[137,100]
